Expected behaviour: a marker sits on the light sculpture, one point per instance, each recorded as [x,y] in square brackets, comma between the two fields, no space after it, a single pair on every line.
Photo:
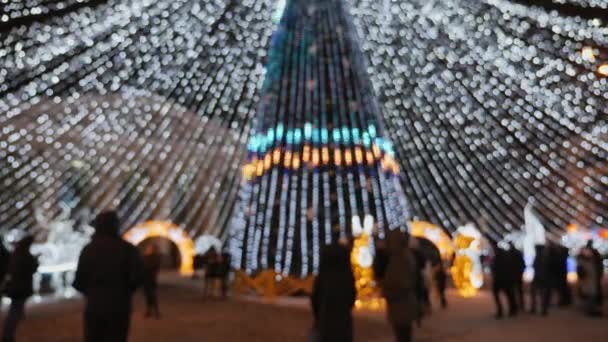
[467,271]
[167,230]
[362,258]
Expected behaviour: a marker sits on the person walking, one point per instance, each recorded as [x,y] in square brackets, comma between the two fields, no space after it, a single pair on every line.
[588,283]
[4,262]
[224,271]
[541,284]
[441,283]
[19,288]
[212,261]
[151,271]
[560,273]
[333,295]
[399,285]
[502,281]
[518,266]
[109,272]
[598,265]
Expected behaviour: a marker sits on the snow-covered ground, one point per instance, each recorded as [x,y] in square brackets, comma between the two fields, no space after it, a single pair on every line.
[189,317]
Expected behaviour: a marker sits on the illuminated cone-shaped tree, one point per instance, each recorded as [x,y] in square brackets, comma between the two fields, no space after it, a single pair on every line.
[318,157]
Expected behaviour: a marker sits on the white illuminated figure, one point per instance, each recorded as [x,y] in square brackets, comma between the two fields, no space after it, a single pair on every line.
[205,242]
[58,254]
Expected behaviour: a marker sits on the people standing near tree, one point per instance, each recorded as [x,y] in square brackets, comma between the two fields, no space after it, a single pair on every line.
[541,284]
[503,281]
[518,266]
[560,272]
[588,283]
[109,271]
[4,262]
[441,283]
[151,270]
[212,260]
[224,271]
[334,294]
[19,288]
[399,285]
[598,264]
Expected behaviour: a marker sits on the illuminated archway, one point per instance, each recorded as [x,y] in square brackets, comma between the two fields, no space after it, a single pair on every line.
[168,230]
[434,234]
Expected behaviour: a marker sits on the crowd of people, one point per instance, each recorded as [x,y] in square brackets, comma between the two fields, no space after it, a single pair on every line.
[405,276]
[109,272]
[550,278]
[216,269]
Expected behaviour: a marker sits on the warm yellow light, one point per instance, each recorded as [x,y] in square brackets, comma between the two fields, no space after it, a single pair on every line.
[248,171]
[260,168]
[368,296]
[434,234]
[376,150]
[168,230]
[287,161]
[603,70]
[267,162]
[359,155]
[315,157]
[325,155]
[306,154]
[348,157]
[276,156]
[295,162]
[337,157]
[370,157]
[588,54]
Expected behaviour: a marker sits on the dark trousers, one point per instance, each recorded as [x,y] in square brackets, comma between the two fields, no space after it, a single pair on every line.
[105,327]
[403,332]
[508,291]
[15,314]
[519,293]
[542,291]
[151,295]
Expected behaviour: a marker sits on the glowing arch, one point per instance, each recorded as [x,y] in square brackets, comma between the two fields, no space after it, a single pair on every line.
[434,234]
[168,230]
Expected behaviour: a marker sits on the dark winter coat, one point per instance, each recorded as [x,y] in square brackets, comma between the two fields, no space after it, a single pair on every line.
[399,282]
[334,295]
[518,263]
[542,272]
[21,269]
[109,271]
[503,269]
[4,262]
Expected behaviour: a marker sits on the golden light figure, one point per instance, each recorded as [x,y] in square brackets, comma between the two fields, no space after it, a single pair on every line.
[436,235]
[603,70]
[588,54]
[167,230]
[361,258]
[467,273]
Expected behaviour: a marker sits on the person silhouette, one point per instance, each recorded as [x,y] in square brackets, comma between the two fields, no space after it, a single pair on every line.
[19,288]
[108,273]
[151,269]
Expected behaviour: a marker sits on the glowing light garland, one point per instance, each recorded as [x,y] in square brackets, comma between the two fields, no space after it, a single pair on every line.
[308,134]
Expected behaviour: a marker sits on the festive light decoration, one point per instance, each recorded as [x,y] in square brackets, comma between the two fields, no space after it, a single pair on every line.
[434,234]
[362,258]
[491,103]
[203,243]
[167,230]
[147,107]
[319,155]
[467,272]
